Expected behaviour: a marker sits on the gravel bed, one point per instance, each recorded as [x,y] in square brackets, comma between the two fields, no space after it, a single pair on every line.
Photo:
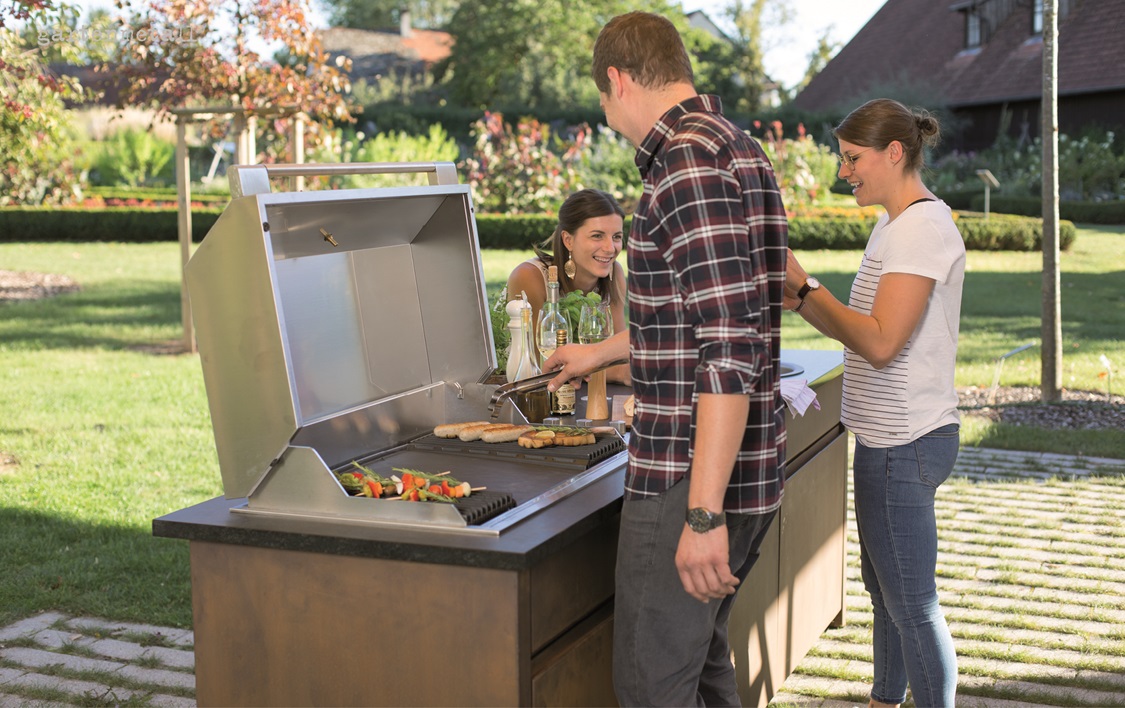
[1021,405]
[17,286]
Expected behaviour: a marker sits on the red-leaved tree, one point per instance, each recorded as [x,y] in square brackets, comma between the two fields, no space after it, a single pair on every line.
[183,53]
[34,138]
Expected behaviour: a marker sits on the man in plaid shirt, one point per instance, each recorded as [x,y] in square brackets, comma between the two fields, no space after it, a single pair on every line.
[707,256]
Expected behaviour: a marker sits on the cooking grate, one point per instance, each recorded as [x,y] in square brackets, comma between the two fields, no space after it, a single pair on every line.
[482,506]
[580,456]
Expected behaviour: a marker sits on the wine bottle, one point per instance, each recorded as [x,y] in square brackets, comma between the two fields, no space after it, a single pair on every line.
[562,400]
[551,318]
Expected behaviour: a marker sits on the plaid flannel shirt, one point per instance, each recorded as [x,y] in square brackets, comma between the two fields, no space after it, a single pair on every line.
[707,257]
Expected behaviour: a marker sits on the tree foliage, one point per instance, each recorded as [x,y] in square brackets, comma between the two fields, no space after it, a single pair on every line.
[176,53]
[385,14]
[826,48]
[34,133]
[533,53]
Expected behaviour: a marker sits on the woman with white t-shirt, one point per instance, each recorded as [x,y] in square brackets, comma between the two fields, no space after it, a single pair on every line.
[899,331]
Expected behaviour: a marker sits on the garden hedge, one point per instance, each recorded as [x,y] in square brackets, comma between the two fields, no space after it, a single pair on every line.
[1082,212]
[806,231]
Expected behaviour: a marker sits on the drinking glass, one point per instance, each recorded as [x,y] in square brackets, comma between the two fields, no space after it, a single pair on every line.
[594,325]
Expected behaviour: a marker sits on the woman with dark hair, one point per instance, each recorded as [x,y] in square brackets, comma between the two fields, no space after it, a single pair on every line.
[584,246]
[899,331]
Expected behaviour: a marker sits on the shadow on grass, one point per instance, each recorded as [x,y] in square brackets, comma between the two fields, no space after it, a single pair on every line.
[52,562]
[110,315]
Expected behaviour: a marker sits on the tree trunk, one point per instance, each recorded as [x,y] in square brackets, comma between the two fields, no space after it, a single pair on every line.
[1051,385]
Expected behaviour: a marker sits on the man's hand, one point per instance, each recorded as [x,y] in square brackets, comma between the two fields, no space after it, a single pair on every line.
[703,561]
[577,360]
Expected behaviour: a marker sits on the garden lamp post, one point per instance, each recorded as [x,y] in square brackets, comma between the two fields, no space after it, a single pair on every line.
[990,183]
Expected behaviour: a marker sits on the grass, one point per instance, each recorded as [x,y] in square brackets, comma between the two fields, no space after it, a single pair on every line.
[108,435]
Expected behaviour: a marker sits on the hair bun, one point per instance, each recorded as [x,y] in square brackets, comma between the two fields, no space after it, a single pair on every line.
[928,127]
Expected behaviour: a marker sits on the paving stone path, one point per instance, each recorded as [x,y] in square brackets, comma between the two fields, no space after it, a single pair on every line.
[54,660]
[1031,576]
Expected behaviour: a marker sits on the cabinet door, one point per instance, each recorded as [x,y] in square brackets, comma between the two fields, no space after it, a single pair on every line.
[759,657]
[577,669]
[811,564]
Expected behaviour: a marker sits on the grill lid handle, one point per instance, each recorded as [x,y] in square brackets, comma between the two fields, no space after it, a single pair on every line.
[254,179]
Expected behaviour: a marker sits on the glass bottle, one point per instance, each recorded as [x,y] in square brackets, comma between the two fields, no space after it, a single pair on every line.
[551,318]
[527,366]
[562,400]
[516,337]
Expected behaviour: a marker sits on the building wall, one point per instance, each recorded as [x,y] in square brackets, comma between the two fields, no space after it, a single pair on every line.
[976,127]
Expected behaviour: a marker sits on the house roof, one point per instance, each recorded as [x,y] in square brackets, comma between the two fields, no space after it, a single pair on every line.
[924,41]
[374,52]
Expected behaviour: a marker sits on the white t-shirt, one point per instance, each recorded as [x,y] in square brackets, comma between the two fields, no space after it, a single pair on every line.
[913,394]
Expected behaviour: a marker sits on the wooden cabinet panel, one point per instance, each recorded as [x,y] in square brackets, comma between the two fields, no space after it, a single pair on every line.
[813,522]
[577,670]
[277,627]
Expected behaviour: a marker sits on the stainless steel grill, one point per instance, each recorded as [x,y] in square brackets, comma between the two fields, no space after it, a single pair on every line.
[344,325]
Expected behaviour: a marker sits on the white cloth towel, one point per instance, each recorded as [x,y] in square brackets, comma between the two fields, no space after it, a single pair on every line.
[798,396]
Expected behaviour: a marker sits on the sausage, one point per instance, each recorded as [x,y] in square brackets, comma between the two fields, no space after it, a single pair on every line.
[451,430]
[507,433]
[473,432]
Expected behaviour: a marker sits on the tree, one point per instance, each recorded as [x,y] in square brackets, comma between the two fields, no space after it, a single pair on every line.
[175,53]
[738,74]
[529,54]
[34,133]
[819,57]
[1050,386]
[384,14]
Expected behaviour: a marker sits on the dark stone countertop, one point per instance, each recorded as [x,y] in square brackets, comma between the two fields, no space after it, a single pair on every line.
[517,547]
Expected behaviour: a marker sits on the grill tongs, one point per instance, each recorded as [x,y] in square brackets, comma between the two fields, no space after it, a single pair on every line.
[532,383]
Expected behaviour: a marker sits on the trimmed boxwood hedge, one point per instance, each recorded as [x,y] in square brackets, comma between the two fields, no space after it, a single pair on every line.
[121,224]
[155,194]
[1082,212]
[140,224]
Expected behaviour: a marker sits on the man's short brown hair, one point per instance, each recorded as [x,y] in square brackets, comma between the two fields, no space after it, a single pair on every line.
[646,46]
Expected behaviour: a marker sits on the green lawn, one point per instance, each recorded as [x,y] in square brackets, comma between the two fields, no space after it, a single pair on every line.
[107,435]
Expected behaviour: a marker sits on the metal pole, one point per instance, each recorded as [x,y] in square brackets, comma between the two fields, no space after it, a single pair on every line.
[297,143]
[1051,383]
[987,194]
[183,225]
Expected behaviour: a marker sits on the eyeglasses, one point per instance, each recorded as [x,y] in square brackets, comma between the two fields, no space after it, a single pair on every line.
[850,160]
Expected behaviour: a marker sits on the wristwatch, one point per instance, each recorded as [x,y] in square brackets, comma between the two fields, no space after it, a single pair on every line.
[701,520]
[811,284]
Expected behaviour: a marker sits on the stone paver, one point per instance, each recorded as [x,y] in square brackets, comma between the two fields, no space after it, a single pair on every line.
[95,662]
[29,626]
[1031,572]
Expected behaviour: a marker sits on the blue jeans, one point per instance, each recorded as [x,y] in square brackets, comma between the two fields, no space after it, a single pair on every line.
[670,649]
[894,508]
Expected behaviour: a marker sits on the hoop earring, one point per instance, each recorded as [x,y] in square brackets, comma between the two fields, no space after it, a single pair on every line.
[569,267]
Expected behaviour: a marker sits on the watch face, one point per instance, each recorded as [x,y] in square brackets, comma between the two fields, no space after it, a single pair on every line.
[813,283]
[700,520]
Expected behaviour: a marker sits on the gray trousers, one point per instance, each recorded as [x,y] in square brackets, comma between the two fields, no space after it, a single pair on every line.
[670,649]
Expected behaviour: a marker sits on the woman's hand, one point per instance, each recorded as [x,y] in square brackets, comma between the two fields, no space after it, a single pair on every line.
[795,277]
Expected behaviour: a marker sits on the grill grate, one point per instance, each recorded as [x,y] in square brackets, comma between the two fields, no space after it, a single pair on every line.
[482,506]
[580,456]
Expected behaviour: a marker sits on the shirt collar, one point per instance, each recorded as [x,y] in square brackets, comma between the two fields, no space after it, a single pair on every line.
[650,146]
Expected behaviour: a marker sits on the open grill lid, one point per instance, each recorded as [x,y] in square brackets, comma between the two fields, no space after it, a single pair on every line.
[339,321]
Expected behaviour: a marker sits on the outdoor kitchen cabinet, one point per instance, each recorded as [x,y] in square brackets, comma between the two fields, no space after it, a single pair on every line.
[302,611]
[343,326]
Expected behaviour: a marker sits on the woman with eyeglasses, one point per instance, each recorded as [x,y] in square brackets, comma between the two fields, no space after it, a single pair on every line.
[899,331]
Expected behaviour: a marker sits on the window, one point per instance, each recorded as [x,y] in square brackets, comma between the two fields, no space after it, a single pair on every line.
[972,29]
[1037,17]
